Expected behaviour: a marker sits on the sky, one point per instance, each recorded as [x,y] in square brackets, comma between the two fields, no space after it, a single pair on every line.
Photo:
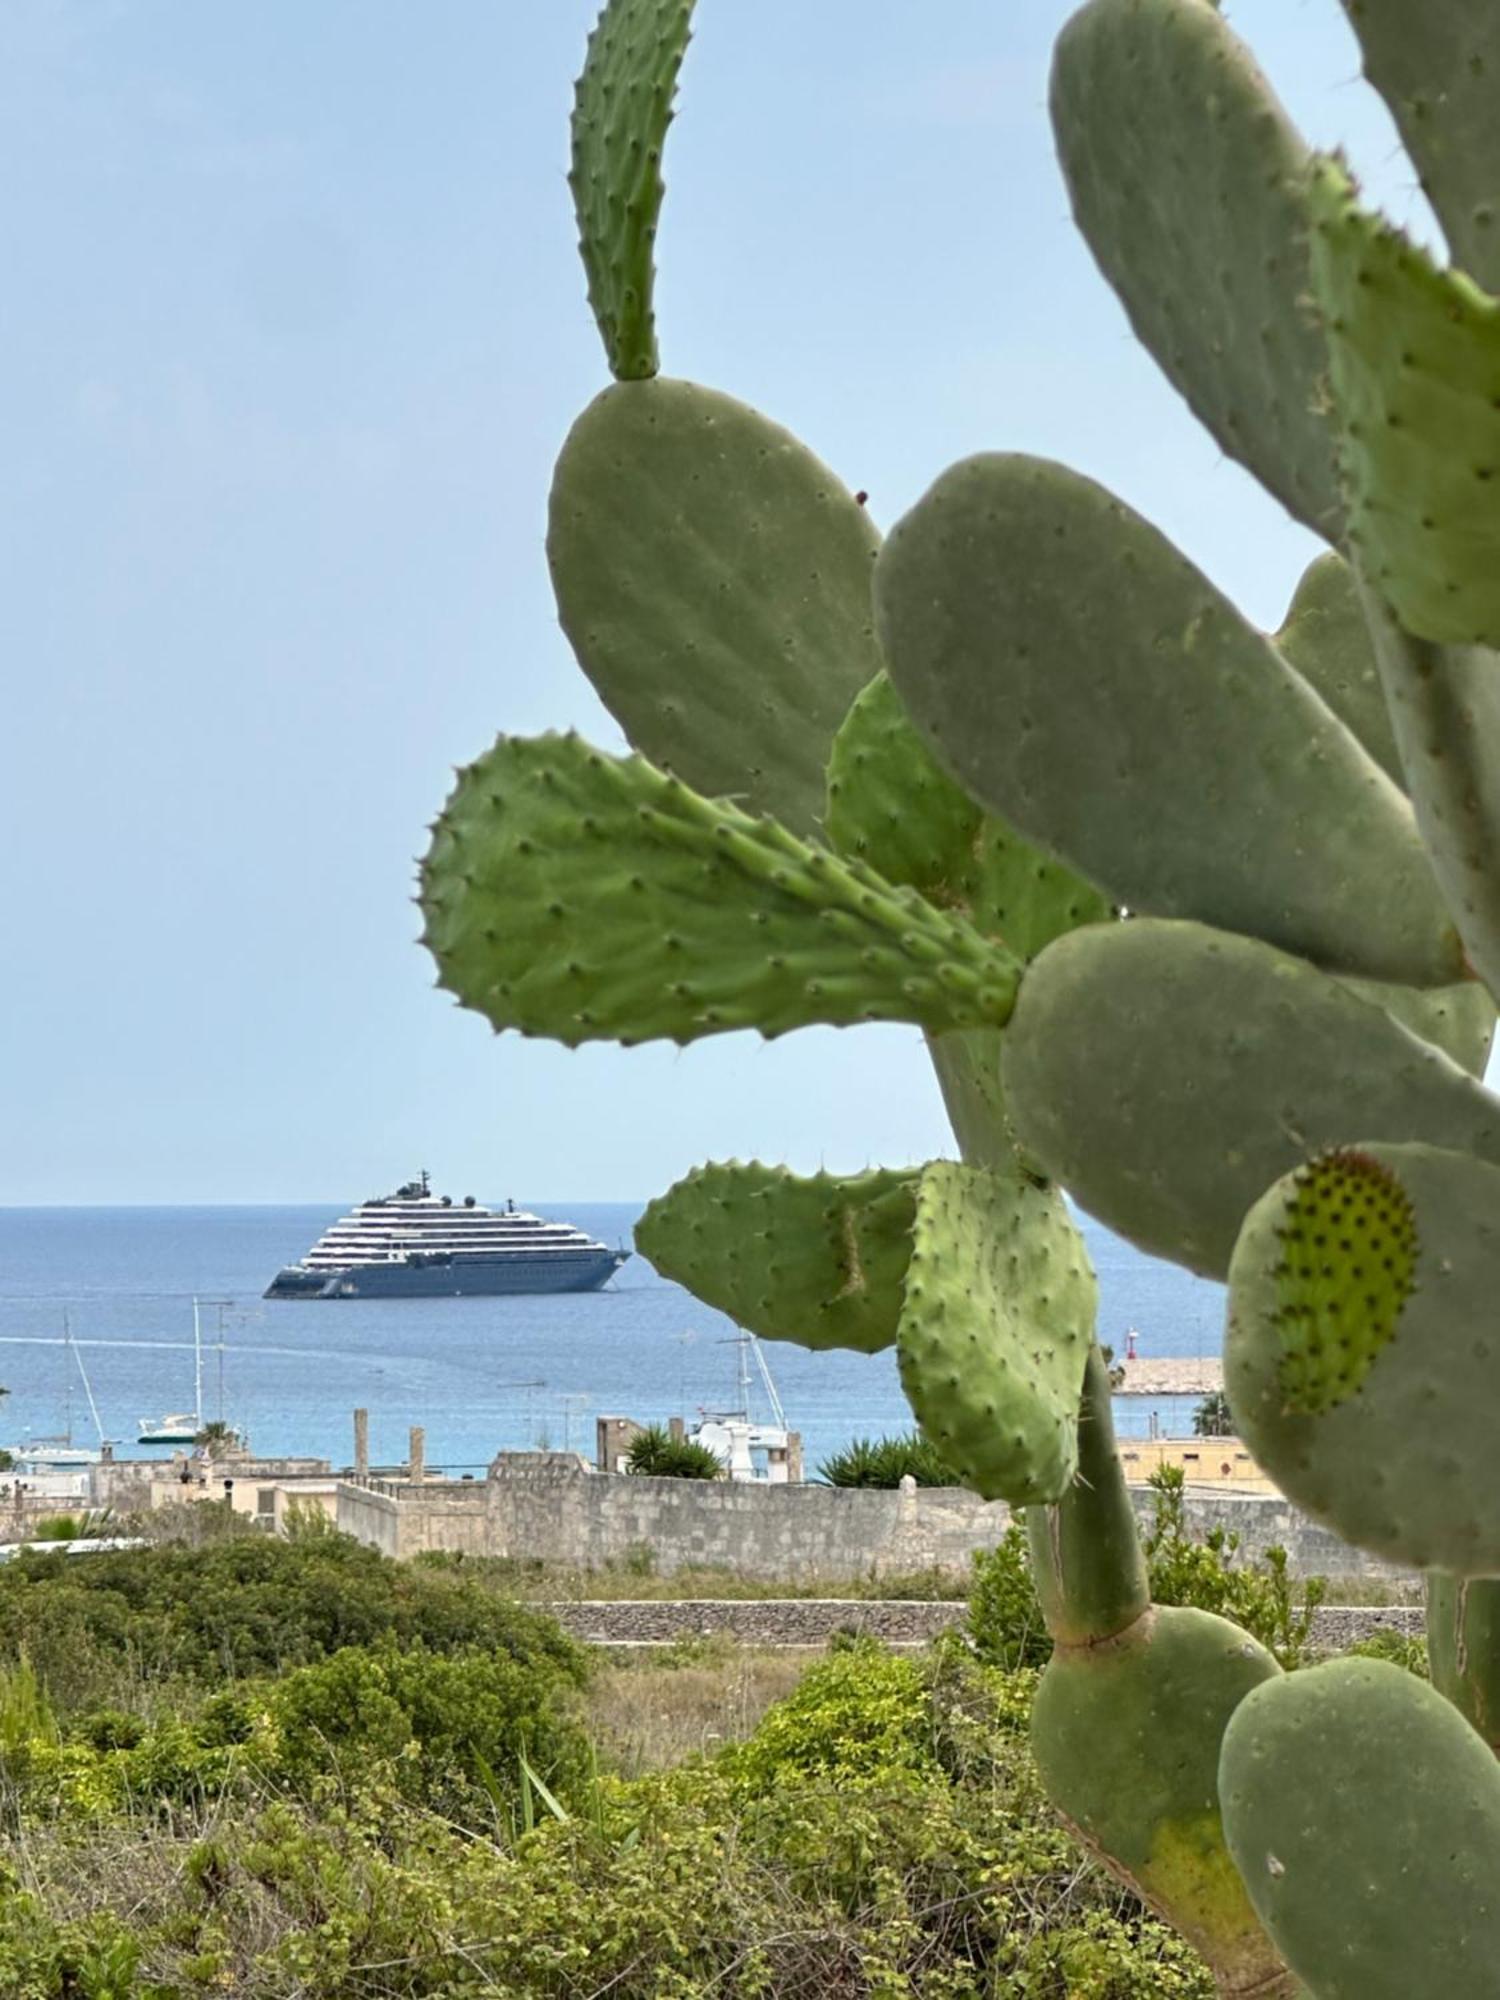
[292,330]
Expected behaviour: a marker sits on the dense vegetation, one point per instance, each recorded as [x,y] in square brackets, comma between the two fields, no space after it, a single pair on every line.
[887,1461]
[654,1452]
[267,1768]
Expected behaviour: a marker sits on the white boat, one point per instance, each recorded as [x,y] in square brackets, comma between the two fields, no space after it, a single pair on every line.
[180,1426]
[747,1449]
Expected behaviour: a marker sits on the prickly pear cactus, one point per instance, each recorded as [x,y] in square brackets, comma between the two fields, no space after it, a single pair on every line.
[1203,927]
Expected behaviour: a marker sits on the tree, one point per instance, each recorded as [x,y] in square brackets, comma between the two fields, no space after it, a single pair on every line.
[1212,1419]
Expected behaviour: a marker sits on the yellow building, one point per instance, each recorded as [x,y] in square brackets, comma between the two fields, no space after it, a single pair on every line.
[1203,1461]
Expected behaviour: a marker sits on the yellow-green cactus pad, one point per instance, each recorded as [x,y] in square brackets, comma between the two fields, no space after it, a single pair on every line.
[1084,681]
[714,579]
[590,898]
[1214,1065]
[1188,183]
[1414,364]
[1348,1266]
[1325,637]
[1127,1735]
[1436,66]
[1362,1357]
[621,110]
[819,1261]
[996,1330]
[894,806]
[1364,1815]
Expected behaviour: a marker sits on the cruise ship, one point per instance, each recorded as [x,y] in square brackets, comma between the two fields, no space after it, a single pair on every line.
[415,1244]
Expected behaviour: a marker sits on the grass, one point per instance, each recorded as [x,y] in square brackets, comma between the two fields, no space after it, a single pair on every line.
[651,1712]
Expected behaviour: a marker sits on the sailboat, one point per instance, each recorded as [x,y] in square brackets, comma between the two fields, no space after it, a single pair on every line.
[180,1426]
[735,1438]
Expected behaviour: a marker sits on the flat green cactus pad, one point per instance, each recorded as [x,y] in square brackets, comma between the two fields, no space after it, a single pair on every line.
[1081,678]
[1389,1437]
[1187,181]
[1364,1815]
[1127,1736]
[1445,710]
[714,579]
[1327,640]
[592,898]
[1414,364]
[1215,1065]
[996,1330]
[893,805]
[819,1261]
[1459,1020]
[621,110]
[1436,66]
[1347,1268]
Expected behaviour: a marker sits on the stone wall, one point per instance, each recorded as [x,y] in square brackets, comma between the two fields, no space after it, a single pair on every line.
[551,1510]
[812,1621]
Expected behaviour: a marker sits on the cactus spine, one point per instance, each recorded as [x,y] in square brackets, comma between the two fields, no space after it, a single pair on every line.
[1270,1069]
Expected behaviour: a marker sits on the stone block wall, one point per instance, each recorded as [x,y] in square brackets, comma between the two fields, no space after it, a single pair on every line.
[551,1509]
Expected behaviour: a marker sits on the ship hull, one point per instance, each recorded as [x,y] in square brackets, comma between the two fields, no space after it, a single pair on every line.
[514,1275]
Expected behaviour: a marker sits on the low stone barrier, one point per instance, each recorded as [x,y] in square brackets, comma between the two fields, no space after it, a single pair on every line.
[813,1621]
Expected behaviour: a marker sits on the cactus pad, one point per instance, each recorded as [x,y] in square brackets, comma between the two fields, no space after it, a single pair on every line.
[1081,678]
[819,1261]
[1364,1815]
[621,110]
[714,579]
[1215,1065]
[1459,1020]
[996,1330]
[592,898]
[893,805]
[1445,710]
[1463,1647]
[1327,640]
[1348,1266]
[1127,1736]
[1187,181]
[1384,1425]
[1436,68]
[1414,363]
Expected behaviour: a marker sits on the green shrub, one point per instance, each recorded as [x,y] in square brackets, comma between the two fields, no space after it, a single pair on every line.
[887,1461]
[97,1627]
[1401,1651]
[1005,1616]
[448,1730]
[656,1454]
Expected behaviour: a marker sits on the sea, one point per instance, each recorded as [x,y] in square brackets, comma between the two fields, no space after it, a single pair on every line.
[96,1334]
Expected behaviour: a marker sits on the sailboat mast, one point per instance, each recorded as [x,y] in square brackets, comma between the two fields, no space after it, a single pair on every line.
[197,1366]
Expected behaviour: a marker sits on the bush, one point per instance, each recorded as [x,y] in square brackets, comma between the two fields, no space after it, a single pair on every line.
[862,1715]
[1005,1614]
[445,1731]
[887,1461]
[656,1454]
[97,1627]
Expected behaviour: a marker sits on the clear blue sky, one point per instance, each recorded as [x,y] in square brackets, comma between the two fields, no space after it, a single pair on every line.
[293,326]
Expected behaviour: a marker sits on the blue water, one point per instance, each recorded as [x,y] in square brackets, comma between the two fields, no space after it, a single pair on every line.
[480,1374]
